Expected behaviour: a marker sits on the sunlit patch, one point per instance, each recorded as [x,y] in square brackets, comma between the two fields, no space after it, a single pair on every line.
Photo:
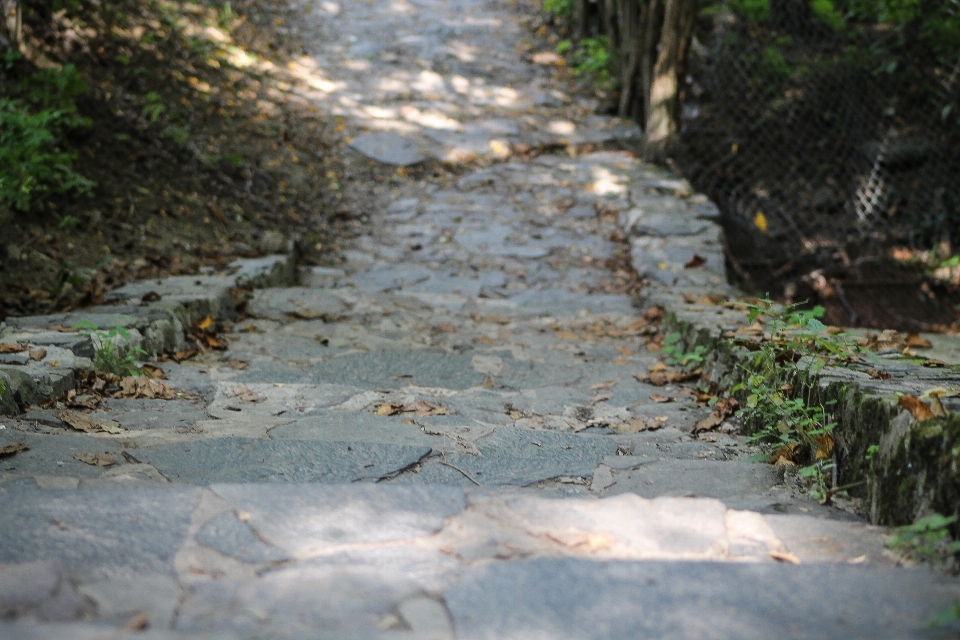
[216,34]
[380,113]
[357,65]
[562,127]
[331,7]
[460,84]
[606,183]
[432,119]
[506,96]
[429,81]
[464,52]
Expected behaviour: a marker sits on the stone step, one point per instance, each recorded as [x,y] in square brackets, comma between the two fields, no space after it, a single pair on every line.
[254,559]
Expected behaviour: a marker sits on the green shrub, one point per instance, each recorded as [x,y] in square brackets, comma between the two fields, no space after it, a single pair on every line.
[33,160]
[558,7]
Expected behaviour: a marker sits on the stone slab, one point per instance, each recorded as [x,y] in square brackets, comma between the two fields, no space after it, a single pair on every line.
[389,148]
[234,459]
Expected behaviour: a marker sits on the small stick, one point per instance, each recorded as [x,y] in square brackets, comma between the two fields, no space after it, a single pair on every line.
[465,474]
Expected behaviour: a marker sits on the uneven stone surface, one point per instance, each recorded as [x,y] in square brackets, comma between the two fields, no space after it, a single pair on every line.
[445,437]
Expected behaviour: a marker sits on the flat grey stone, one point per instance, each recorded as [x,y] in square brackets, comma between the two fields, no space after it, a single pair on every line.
[98,534]
[39,591]
[388,148]
[700,478]
[300,302]
[118,599]
[666,224]
[393,369]
[302,518]
[573,598]
[52,455]
[287,461]
[233,538]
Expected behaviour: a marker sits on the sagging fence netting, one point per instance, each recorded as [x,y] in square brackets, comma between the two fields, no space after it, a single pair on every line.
[827,131]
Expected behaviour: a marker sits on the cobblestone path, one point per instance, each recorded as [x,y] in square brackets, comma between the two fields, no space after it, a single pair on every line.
[447,438]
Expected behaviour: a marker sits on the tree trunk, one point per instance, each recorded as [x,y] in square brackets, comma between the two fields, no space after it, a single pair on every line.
[662,118]
[651,27]
[631,25]
[578,27]
[12,23]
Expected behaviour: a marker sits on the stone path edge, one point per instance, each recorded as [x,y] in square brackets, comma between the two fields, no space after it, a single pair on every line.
[157,314]
[916,469]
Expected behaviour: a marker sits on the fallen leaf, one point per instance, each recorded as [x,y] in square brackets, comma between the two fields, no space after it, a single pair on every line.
[13,449]
[663,378]
[565,335]
[712,421]
[824,447]
[446,328]
[620,361]
[784,556]
[238,363]
[656,397]
[204,324]
[137,622]
[515,415]
[82,401]
[916,407]
[876,374]
[96,459]
[246,394]
[653,314]
[12,348]
[636,425]
[484,340]
[78,421]
[150,296]
[888,340]
[600,397]
[933,363]
[185,354]
[784,455]
[250,328]
[609,384]
[153,372]
[37,354]
[858,559]
[695,261]
[388,409]
[63,329]
[915,341]
[755,329]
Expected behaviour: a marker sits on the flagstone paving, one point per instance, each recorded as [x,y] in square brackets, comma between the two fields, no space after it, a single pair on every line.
[444,438]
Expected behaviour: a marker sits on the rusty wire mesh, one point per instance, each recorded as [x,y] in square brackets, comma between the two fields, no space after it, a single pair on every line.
[822,150]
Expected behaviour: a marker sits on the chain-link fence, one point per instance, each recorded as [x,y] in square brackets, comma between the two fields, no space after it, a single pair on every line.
[823,147]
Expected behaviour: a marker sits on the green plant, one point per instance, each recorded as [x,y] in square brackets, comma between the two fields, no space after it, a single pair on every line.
[789,422]
[927,539]
[32,158]
[154,108]
[676,356]
[69,223]
[592,57]
[558,7]
[109,357]
[179,134]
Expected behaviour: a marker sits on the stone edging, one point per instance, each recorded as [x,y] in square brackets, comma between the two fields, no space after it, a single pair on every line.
[916,470]
[156,313]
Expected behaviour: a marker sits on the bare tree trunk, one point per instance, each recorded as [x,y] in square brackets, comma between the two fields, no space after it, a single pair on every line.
[578,27]
[632,23]
[12,23]
[662,118]
[608,21]
[651,28]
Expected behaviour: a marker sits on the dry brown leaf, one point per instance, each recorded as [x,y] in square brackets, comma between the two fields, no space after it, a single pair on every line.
[216,342]
[37,354]
[755,329]
[712,421]
[602,386]
[620,361]
[484,340]
[824,447]
[388,409]
[917,408]
[696,261]
[659,366]
[876,374]
[784,556]
[204,324]
[446,328]
[246,394]
[600,397]
[915,341]
[185,354]
[662,378]
[78,421]
[565,335]
[238,363]
[150,296]
[653,314]
[154,372]
[12,348]
[657,397]
[63,329]
[96,459]
[636,425]
[888,340]
[137,622]
[13,448]
[785,454]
